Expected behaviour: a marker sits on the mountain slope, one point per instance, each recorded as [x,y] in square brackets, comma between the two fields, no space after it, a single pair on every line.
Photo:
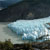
[25,10]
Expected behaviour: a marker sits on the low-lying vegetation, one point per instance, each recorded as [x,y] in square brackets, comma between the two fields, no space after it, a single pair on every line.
[8,45]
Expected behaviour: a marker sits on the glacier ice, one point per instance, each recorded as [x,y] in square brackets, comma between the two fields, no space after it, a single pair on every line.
[31,29]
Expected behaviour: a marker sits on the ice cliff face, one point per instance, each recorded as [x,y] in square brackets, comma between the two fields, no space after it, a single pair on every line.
[33,30]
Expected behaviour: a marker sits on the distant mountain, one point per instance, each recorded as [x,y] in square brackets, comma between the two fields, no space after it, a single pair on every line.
[6,3]
[25,10]
[3,4]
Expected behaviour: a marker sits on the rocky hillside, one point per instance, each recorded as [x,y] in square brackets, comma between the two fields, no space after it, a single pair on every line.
[25,10]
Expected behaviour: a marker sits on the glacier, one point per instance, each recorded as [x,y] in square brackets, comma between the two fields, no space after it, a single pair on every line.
[34,30]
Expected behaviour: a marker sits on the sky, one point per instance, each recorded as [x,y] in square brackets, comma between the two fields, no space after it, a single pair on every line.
[6,3]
